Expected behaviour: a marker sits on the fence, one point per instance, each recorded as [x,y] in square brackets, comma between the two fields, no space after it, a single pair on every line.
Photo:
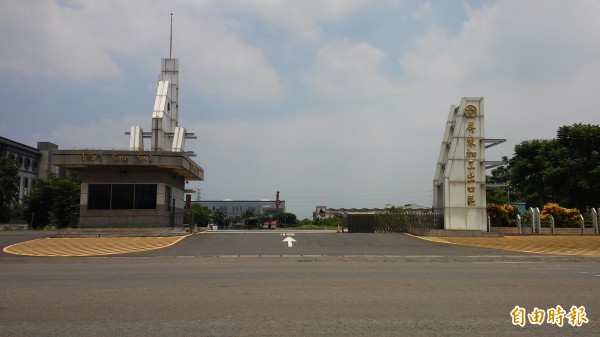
[405,221]
[392,222]
[588,224]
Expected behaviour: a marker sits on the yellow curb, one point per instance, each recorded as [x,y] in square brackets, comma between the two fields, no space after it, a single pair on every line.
[553,245]
[91,246]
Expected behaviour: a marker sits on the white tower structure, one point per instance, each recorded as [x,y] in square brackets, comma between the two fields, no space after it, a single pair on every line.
[459,183]
[166,134]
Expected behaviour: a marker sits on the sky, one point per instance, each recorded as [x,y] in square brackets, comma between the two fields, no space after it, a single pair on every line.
[341,103]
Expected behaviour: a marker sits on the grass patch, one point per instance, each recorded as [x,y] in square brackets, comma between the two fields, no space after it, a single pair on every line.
[310,227]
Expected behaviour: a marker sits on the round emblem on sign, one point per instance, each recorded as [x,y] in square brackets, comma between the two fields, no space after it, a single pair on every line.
[470,111]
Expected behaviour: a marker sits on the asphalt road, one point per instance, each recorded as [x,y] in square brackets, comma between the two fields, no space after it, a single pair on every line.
[325,285]
[225,243]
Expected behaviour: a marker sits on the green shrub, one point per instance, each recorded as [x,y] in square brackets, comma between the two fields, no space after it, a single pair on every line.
[502,215]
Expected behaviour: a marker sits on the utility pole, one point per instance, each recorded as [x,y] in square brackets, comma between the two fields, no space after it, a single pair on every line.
[277,203]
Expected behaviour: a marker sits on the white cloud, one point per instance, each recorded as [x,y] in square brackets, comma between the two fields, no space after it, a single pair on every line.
[43,37]
[80,41]
[301,18]
[536,63]
[424,10]
[522,41]
[220,65]
[349,70]
[105,133]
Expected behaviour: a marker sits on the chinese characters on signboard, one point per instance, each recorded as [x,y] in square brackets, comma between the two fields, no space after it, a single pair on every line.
[471,153]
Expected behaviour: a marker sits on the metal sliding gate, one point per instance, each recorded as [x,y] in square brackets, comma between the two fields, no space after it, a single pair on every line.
[392,222]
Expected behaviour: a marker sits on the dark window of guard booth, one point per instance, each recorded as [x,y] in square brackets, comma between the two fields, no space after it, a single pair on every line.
[122,196]
[145,196]
[99,196]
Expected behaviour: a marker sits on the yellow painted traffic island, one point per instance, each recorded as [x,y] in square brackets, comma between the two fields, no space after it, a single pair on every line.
[90,246]
[555,245]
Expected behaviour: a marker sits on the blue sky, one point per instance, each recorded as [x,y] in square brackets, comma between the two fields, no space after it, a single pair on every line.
[340,103]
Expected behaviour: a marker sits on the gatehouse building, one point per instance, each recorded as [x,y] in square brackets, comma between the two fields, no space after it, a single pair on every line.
[139,186]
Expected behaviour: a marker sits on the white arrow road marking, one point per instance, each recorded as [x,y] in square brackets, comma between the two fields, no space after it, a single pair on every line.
[289,241]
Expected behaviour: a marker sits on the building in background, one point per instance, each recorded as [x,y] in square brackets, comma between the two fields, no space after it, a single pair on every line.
[33,163]
[233,208]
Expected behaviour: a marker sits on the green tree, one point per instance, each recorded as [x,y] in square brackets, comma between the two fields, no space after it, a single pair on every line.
[499,176]
[9,186]
[333,221]
[52,201]
[248,214]
[234,220]
[395,210]
[198,215]
[287,219]
[264,218]
[565,170]
[305,223]
[218,217]
[527,171]
[578,174]
[248,219]
[496,196]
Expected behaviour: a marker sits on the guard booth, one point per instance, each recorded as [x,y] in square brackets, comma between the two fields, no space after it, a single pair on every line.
[130,188]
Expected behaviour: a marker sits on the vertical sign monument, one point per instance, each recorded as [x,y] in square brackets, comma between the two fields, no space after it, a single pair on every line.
[459,184]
